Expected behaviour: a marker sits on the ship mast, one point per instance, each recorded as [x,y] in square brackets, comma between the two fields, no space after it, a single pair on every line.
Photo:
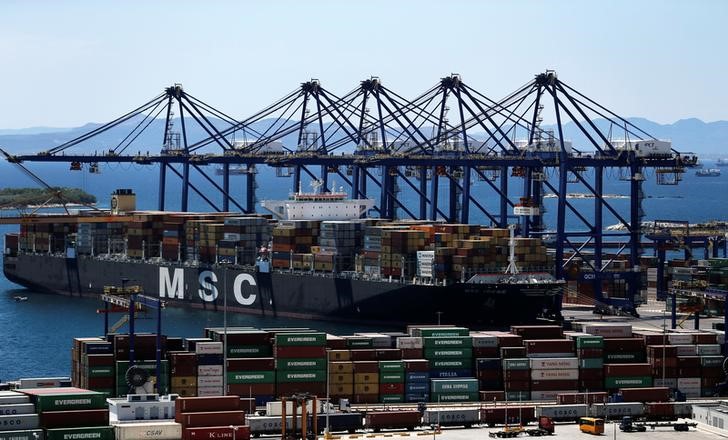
[512,268]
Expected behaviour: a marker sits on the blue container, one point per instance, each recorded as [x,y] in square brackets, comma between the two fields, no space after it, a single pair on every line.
[488,363]
[99,348]
[418,377]
[417,388]
[444,374]
[210,359]
[411,398]
[262,400]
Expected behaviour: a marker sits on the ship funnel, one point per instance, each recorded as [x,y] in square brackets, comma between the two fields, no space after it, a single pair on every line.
[123,200]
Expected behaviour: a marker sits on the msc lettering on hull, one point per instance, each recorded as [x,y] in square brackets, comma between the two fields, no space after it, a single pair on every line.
[172,285]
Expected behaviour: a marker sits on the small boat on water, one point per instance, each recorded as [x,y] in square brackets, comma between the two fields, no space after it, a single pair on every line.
[20,298]
[708,172]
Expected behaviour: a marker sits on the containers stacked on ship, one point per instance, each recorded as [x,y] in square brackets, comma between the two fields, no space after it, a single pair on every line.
[590,352]
[92,365]
[300,363]
[183,377]
[211,418]
[210,235]
[71,413]
[292,241]
[338,243]
[173,234]
[247,235]
[18,417]
[399,252]
[145,236]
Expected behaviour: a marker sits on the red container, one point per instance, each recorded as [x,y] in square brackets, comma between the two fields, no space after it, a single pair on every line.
[656,351]
[490,396]
[521,385]
[206,404]
[549,346]
[591,374]
[590,353]
[364,355]
[651,338]
[591,385]
[653,394]
[710,382]
[688,372]
[516,414]
[217,418]
[581,398]
[667,362]
[300,352]
[100,383]
[389,354]
[416,365]
[99,360]
[688,362]
[554,385]
[613,370]
[252,389]
[712,372]
[391,388]
[365,398]
[669,371]
[241,432]
[377,420]
[624,345]
[517,375]
[74,419]
[366,367]
[412,353]
[660,410]
[252,338]
[315,388]
[490,374]
[252,364]
[512,352]
[336,343]
[507,340]
[538,331]
[486,352]
[705,338]
[182,358]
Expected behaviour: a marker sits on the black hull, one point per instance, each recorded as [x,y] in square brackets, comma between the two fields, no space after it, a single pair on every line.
[293,294]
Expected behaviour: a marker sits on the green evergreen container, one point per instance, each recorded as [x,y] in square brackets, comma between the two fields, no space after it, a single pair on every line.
[391,377]
[389,366]
[93,433]
[627,382]
[589,342]
[301,364]
[300,339]
[249,351]
[440,332]
[448,342]
[391,398]
[454,364]
[244,377]
[454,397]
[438,353]
[300,376]
[70,401]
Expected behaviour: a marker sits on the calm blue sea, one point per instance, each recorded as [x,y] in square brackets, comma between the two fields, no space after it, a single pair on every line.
[35,336]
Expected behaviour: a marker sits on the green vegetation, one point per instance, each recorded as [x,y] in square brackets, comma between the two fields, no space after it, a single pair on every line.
[22,197]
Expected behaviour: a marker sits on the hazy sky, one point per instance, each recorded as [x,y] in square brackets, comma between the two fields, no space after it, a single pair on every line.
[65,63]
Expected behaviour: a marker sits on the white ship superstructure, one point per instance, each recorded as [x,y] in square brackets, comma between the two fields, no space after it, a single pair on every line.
[318,205]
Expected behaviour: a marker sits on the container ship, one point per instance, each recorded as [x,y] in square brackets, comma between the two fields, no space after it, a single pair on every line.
[314,256]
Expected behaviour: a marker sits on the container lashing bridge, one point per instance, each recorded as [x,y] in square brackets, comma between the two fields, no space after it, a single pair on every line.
[435,147]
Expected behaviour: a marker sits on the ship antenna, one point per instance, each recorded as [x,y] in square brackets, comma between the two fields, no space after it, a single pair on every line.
[512,268]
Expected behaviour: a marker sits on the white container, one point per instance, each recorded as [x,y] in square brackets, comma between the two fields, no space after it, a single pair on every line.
[19,421]
[548,395]
[378,340]
[208,348]
[666,382]
[549,355]
[210,370]
[684,383]
[13,398]
[27,434]
[609,330]
[685,350]
[209,381]
[555,374]
[708,349]
[680,338]
[562,412]
[150,430]
[141,407]
[410,342]
[45,382]
[275,408]
[17,408]
[209,391]
[485,341]
[617,410]
[567,363]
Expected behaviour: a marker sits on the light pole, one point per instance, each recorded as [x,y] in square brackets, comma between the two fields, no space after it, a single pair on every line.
[234,429]
[327,433]
[224,341]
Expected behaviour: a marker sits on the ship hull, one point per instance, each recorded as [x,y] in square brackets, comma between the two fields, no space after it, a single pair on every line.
[292,294]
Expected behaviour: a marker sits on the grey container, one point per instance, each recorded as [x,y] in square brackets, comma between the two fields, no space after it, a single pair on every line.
[30,434]
[17,408]
[617,410]
[562,412]
[451,417]
[19,422]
